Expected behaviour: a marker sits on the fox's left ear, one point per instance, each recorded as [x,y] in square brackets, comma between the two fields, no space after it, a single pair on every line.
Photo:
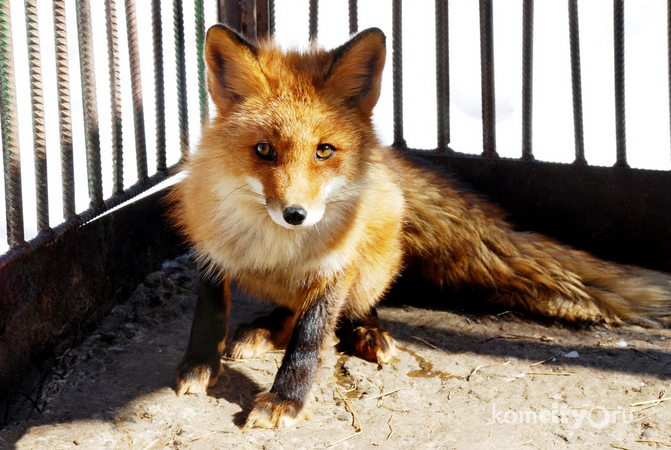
[356,71]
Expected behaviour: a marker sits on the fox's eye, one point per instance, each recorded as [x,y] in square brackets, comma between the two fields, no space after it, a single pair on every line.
[265,151]
[325,151]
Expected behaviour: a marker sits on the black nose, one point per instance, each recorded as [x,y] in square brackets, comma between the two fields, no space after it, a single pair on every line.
[294,215]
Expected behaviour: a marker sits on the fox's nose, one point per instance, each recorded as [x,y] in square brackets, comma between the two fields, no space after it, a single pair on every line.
[294,215]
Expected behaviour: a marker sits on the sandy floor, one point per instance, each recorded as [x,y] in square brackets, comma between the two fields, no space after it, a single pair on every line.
[462,380]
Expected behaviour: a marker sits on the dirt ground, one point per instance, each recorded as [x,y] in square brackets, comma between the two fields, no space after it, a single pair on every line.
[461,380]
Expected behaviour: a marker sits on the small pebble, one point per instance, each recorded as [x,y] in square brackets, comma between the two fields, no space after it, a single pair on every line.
[621,344]
[572,354]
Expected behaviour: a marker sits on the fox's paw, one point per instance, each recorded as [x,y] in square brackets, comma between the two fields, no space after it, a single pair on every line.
[272,411]
[194,378]
[251,342]
[373,344]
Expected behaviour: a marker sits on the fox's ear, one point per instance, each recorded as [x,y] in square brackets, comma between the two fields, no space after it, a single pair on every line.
[233,70]
[356,71]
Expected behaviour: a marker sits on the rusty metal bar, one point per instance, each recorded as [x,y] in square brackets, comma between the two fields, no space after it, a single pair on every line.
[200,41]
[620,122]
[10,130]
[90,102]
[353,16]
[527,78]
[576,82]
[263,13]
[314,20]
[487,79]
[271,17]
[136,86]
[64,109]
[397,70]
[37,106]
[159,84]
[115,95]
[442,75]
[182,107]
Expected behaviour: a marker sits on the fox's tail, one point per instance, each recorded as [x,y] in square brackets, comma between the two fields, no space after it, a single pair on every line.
[462,241]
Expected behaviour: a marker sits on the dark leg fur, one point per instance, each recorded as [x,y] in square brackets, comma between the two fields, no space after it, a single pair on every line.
[365,338]
[286,400]
[201,363]
[267,333]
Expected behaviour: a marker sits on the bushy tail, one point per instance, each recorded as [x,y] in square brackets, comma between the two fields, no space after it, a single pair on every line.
[462,241]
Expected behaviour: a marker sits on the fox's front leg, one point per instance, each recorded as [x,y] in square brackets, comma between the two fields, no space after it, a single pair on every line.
[201,363]
[284,404]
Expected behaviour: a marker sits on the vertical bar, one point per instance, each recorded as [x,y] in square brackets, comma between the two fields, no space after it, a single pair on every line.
[90,102]
[159,86]
[136,86]
[182,110]
[353,17]
[64,109]
[271,17]
[443,75]
[397,69]
[10,129]
[200,40]
[115,95]
[668,49]
[262,18]
[314,16]
[487,78]
[37,105]
[576,82]
[527,78]
[620,122]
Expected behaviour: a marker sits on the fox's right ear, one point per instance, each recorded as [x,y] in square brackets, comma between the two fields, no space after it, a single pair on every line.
[233,70]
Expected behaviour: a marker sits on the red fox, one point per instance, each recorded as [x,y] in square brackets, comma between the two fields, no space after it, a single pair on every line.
[291,195]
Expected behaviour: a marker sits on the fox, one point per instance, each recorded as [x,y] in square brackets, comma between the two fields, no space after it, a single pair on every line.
[291,196]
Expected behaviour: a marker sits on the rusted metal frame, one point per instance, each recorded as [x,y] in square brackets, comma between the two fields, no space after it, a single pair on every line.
[620,122]
[397,71]
[443,75]
[527,78]
[10,130]
[353,9]
[94,211]
[487,79]
[64,109]
[576,82]
[182,107]
[200,58]
[90,102]
[37,106]
[314,19]
[115,95]
[159,84]
[136,86]
[264,17]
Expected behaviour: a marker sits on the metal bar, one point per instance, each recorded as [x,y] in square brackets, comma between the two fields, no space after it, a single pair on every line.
[527,78]
[442,75]
[37,106]
[487,79]
[182,107]
[576,82]
[200,40]
[64,109]
[136,85]
[115,95]
[262,18]
[90,102]
[314,16]
[159,84]
[271,17]
[620,122]
[10,130]
[397,70]
[353,17]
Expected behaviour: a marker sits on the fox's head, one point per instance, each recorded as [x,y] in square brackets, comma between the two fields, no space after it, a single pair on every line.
[292,129]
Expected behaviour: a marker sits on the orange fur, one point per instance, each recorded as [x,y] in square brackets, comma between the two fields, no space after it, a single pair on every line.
[368,210]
